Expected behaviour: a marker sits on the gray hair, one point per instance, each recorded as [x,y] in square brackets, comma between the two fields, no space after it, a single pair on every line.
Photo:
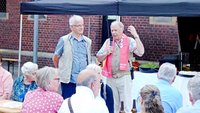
[44,75]
[194,87]
[120,24]
[87,81]
[94,67]
[29,68]
[75,18]
[167,71]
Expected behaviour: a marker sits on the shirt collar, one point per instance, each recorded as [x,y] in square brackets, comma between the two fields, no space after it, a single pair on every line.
[161,81]
[81,38]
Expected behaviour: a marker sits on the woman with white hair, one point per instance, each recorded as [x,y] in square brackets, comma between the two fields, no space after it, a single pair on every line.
[24,83]
[105,91]
[45,98]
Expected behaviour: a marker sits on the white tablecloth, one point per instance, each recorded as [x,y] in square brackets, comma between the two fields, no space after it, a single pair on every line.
[142,79]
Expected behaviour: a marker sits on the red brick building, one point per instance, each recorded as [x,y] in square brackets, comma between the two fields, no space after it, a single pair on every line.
[158,39]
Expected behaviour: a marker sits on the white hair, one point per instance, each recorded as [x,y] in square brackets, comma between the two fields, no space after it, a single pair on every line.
[167,71]
[29,68]
[120,24]
[74,19]
[194,87]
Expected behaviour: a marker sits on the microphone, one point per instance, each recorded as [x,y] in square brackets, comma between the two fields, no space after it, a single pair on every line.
[111,39]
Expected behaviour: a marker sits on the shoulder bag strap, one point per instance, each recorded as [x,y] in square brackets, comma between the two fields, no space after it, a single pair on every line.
[70,106]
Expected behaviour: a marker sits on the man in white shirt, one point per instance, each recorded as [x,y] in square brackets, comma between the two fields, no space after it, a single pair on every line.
[194,94]
[84,101]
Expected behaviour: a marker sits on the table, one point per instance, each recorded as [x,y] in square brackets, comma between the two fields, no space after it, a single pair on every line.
[9,106]
[141,79]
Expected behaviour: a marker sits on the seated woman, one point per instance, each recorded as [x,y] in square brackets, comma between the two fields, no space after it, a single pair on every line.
[6,82]
[105,92]
[24,83]
[150,100]
[44,99]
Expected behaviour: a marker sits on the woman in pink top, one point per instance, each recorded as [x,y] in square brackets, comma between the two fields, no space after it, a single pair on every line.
[45,98]
[6,83]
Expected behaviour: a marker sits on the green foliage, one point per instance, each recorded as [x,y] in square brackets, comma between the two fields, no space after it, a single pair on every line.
[149,65]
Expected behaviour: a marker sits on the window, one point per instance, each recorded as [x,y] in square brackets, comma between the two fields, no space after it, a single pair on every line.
[40,17]
[163,20]
[3,13]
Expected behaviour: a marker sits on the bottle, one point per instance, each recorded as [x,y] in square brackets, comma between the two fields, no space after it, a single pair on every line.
[133,110]
[122,107]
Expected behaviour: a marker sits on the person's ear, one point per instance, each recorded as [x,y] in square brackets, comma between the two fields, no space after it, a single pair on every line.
[141,100]
[190,98]
[173,79]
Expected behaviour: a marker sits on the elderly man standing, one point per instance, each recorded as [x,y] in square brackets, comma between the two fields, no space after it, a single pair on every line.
[72,54]
[170,96]
[84,101]
[116,55]
[194,94]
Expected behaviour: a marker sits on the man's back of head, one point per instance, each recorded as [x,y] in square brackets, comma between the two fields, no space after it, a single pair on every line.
[194,88]
[90,79]
[167,71]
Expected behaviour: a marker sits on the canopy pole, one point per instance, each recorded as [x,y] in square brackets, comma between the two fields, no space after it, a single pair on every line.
[20,45]
[89,28]
[35,40]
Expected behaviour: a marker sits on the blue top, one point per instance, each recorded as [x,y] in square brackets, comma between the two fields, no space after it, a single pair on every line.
[170,96]
[109,97]
[190,109]
[20,89]
[79,50]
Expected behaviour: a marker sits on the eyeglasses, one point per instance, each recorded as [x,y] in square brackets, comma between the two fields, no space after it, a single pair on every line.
[78,25]
[101,81]
[56,79]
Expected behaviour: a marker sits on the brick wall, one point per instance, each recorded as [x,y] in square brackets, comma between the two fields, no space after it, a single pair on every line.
[158,39]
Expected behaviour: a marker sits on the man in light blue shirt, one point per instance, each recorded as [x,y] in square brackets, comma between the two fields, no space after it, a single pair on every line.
[171,98]
[194,94]
[72,54]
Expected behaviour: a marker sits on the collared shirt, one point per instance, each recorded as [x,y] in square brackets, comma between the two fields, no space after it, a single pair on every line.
[83,101]
[6,82]
[20,89]
[170,96]
[41,101]
[190,109]
[79,50]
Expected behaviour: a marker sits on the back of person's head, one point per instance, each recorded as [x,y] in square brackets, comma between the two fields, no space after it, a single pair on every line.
[118,23]
[29,68]
[194,88]
[90,79]
[95,68]
[44,76]
[150,99]
[74,19]
[167,71]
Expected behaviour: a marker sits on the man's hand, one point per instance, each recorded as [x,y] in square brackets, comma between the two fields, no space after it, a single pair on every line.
[133,31]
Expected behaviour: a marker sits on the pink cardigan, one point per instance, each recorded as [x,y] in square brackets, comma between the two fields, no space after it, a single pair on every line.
[6,84]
